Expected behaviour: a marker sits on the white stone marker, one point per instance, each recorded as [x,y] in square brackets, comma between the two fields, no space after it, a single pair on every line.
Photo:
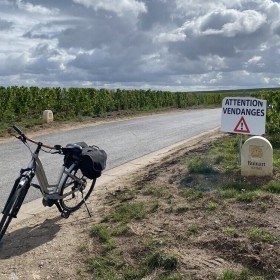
[257,157]
[48,116]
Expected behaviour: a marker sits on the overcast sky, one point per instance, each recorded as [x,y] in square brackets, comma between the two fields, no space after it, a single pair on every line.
[159,44]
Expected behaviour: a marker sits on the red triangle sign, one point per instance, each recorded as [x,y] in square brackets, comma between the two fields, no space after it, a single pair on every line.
[242,126]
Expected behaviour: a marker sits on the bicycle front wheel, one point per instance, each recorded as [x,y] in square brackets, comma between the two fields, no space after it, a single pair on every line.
[76,190]
[12,209]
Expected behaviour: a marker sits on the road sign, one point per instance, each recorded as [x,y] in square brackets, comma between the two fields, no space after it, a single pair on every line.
[243,115]
[242,126]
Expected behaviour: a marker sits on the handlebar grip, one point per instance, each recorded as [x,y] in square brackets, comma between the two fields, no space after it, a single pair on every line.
[17,130]
[57,147]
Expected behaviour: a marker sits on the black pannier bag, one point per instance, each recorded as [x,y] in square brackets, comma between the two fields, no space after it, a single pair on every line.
[92,161]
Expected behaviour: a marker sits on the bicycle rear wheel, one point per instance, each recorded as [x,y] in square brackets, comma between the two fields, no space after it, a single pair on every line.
[76,191]
[12,209]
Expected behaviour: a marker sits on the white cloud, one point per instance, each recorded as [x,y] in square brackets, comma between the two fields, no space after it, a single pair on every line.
[39,9]
[120,7]
[173,36]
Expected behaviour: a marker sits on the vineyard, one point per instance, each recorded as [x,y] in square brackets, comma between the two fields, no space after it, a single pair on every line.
[25,105]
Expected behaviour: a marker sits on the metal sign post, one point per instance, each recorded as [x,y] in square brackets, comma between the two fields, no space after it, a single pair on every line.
[240,147]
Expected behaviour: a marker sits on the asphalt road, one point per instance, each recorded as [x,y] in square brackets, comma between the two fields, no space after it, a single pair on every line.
[122,140]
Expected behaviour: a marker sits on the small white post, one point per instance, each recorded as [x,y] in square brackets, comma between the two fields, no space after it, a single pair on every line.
[48,116]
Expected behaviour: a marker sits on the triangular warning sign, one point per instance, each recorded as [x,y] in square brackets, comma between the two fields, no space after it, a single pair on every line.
[242,126]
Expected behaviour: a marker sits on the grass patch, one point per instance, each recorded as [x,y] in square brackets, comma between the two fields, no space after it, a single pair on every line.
[273,187]
[193,229]
[191,193]
[261,235]
[131,211]
[247,197]
[242,274]
[105,267]
[121,229]
[102,232]
[156,191]
[230,231]
[182,209]
[228,193]
[161,260]
[200,165]
[212,205]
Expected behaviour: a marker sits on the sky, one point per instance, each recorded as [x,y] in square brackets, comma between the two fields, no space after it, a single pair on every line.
[174,45]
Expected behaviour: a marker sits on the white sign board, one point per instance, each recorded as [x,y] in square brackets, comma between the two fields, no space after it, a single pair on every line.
[243,115]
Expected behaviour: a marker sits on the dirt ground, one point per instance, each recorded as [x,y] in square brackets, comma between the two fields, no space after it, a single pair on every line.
[49,247]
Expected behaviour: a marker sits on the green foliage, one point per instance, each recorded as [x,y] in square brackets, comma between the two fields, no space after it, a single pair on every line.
[104,267]
[200,165]
[243,274]
[16,103]
[261,235]
[130,211]
[273,187]
[104,235]
[273,110]
[161,260]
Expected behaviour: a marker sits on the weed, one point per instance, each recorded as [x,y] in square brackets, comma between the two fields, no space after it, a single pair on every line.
[246,196]
[201,166]
[262,207]
[128,212]
[104,268]
[155,191]
[229,193]
[191,194]
[172,276]
[120,230]
[193,229]
[104,235]
[161,260]
[230,231]
[182,209]
[261,235]
[212,205]
[131,273]
[234,275]
[242,274]
[273,187]
[155,206]
[154,244]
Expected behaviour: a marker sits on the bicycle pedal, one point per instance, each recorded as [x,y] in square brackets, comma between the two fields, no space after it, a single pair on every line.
[65,214]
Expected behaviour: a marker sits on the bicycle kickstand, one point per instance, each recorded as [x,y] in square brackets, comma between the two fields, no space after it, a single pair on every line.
[87,208]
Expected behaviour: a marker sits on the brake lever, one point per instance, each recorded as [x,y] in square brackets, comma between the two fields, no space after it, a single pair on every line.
[57,152]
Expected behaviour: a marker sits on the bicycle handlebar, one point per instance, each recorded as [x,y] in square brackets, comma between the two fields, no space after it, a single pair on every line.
[24,137]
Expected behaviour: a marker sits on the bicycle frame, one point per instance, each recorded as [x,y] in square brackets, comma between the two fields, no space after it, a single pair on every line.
[50,191]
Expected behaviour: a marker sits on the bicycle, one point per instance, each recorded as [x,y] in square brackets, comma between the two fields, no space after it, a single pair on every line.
[72,189]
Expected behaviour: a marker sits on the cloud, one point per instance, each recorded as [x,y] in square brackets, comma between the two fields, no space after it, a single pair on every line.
[5,25]
[120,7]
[231,23]
[161,44]
[39,9]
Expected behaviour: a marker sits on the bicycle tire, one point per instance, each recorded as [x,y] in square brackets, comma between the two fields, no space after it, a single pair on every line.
[12,209]
[73,201]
